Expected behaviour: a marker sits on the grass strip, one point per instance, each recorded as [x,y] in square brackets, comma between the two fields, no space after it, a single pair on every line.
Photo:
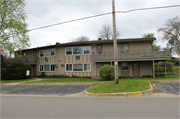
[66,80]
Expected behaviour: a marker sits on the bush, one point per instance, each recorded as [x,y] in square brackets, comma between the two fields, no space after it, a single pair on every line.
[163,73]
[106,72]
[146,76]
[4,64]
[16,71]
[169,67]
[177,62]
[171,60]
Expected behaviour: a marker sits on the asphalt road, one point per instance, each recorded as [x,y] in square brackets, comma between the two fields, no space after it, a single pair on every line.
[27,107]
[43,89]
[171,88]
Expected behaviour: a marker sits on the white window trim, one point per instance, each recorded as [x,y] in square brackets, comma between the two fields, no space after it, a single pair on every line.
[49,68]
[78,54]
[78,71]
[50,52]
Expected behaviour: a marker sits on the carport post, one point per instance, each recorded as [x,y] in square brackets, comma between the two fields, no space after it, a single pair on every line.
[153,70]
[165,68]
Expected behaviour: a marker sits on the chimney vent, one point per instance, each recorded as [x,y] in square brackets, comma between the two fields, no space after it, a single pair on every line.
[57,43]
[99,39]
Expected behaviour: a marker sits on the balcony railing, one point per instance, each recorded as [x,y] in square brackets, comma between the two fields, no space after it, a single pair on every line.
[144,54]
[28,60]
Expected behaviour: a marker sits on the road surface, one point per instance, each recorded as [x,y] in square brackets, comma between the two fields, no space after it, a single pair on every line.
[28,107]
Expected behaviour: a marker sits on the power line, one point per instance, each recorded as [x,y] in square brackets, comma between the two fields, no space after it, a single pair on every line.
[70,21]
[40,6]
[97,16]
[104,14]
[146,9]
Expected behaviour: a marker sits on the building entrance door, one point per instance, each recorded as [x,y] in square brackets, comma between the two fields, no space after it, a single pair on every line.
[98,66]
[136,72]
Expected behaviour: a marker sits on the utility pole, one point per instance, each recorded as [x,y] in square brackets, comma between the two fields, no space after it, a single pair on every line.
[115,44]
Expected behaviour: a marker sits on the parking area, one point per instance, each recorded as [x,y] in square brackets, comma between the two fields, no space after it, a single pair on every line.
[43,89]
[171,88]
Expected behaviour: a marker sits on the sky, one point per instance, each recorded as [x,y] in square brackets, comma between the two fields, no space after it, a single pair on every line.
[131,25]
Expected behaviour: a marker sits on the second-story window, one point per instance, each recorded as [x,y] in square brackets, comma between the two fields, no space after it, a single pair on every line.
[47,53]
[86,50]
[78,50]
[124,48]
[68,51]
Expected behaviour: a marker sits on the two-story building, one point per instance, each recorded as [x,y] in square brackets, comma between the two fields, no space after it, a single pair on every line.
[83,59]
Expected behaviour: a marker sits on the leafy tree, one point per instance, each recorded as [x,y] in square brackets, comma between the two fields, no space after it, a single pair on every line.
[13,28]
[171,30]
[106,32]
[81,38]
[154,45]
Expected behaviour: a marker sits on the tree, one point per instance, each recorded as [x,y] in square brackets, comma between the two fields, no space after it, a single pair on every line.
[106,32]
[171,30]
[81,38]
[151,35]
[13,28]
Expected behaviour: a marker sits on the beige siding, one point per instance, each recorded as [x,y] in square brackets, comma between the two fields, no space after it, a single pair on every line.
[107,47]
[145,68]
[140,45]
[93,64]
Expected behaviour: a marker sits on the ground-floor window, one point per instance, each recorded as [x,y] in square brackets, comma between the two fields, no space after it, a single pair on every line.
[47,67]
[78,67]
[125,66]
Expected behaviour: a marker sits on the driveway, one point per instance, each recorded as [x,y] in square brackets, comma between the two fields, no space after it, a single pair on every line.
[43,89]
[171,88]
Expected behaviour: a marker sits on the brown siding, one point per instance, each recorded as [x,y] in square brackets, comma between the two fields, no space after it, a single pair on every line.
[140,45]
[145,68]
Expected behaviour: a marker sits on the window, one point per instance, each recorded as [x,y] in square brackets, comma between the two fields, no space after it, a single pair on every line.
[125,66]
[24,54]
[47,53]
[41,68]
[78,50]
[99,49]
[41,53]
[47,67]
[68,67]
[87,67]
[68,51]
[124,48]
[52,52]
[78,67]
[87,50]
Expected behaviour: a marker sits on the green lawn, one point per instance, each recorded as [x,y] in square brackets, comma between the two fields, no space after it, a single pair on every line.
[14,81]
[127,85]
[66,80]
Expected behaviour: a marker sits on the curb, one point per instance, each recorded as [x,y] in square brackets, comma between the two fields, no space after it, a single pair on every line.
[123,93]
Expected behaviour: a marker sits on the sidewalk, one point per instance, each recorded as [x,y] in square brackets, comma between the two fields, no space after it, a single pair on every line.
[17,83]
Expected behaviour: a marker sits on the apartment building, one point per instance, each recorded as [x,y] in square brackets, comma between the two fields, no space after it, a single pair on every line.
[83,59]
